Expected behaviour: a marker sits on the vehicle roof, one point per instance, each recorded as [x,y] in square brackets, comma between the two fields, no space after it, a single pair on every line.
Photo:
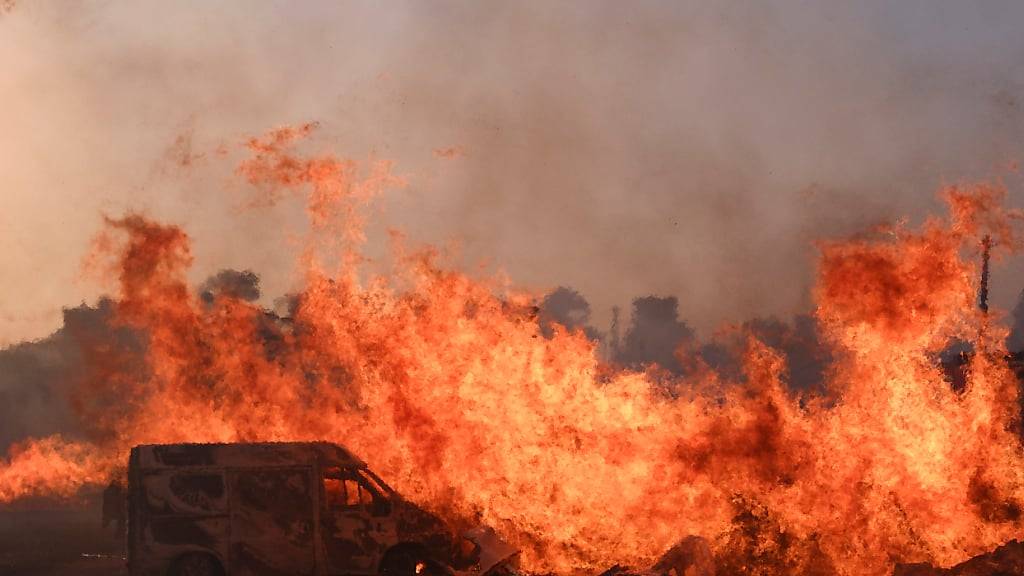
[242,454]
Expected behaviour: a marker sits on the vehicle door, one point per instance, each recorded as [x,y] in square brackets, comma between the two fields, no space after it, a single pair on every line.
[271,521]
[180,511]
[357,528]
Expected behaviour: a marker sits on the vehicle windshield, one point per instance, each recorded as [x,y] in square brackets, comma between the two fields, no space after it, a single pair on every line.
[375,482]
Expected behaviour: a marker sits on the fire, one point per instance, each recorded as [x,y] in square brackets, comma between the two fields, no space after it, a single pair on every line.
[51,466]
[445,385]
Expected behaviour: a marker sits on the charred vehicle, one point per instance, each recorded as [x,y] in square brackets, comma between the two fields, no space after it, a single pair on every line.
[308,508]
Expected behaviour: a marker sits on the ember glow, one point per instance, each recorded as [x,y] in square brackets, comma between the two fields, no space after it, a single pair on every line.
[445,384]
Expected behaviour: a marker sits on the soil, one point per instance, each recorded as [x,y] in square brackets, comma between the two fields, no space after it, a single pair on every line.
[58,542]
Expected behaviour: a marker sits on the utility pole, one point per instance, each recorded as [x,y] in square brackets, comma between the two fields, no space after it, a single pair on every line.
[986,252]
[957,367]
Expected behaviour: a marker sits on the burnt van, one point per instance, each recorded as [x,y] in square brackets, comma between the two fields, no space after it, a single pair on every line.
[304,508]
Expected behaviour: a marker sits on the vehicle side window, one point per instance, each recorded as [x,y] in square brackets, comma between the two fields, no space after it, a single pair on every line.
[334,492]
[343,489]
[351,493]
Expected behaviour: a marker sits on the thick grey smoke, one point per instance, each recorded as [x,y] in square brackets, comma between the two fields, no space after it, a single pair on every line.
[32,389]
[46,386]
[690,149]
[1015,339]
[39,380]
[799,341]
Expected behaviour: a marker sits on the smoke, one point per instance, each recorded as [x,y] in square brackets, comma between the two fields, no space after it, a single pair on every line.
[1015,339]
[31,392]
[39,381]
[686,149]
[59,384]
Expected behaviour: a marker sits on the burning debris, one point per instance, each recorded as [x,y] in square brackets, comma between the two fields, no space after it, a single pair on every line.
[1006,560]
[690,557]
[483,415]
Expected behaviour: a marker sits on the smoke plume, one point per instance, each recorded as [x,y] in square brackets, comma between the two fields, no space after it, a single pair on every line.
[683,149]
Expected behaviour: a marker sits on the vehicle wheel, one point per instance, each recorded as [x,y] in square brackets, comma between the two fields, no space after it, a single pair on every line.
[196,565]
[409,562]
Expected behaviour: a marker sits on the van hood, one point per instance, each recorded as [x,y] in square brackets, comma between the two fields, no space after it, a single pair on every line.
[492,552]
[485,551]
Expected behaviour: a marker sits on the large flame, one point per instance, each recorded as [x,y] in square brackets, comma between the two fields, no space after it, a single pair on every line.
[446,386]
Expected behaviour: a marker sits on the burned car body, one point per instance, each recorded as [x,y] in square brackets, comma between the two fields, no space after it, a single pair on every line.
[309,508]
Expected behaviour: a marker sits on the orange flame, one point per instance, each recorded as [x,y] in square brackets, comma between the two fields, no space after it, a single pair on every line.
[445,385]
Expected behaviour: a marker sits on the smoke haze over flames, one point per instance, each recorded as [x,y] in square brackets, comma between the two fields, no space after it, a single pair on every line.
[456,391]
[683,148]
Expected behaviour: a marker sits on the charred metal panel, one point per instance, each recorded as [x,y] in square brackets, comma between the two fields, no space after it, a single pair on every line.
[414,521]
[357,528]
[491,550]
[271,522]
[414,524]
[184,454]
[247,559]
[282,508]
[205,533]
[243,455]
[132,536]
[185,492]
[177,511]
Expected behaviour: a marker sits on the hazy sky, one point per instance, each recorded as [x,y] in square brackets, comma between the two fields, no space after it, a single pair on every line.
[623,148]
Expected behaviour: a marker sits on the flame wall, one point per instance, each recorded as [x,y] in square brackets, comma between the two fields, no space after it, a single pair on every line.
[445,385]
